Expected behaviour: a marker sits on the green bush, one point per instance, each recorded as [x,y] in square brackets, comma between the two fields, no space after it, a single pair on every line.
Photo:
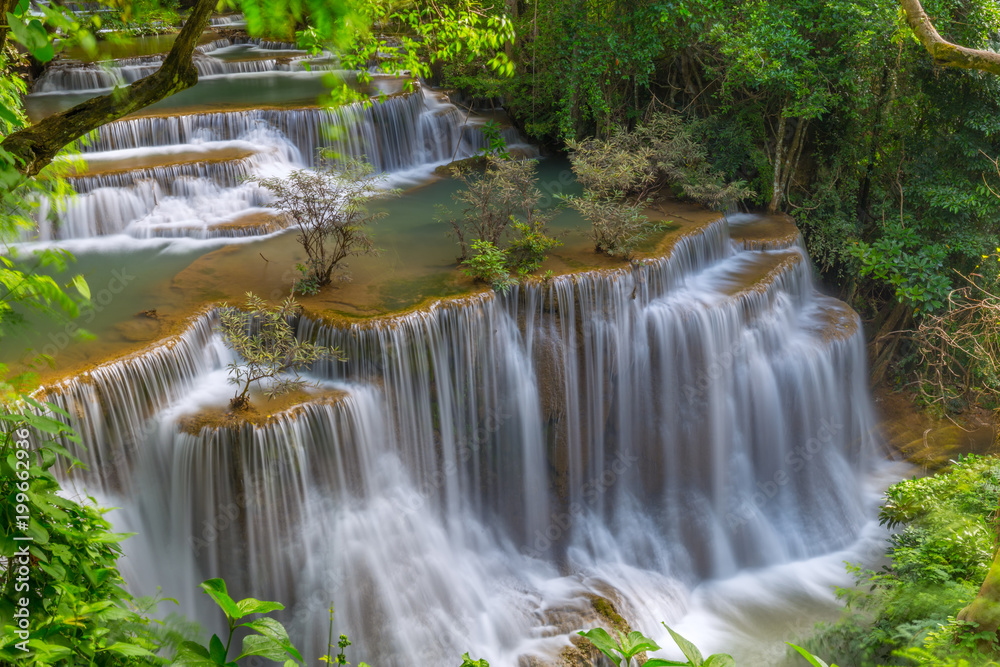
[488,263]
[64,566]
[938,560]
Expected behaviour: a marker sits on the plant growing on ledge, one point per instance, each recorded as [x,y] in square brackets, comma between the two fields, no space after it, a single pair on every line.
[330,208]
[620,175]
[265,340]
[494,200]
[489,264]
[501,221]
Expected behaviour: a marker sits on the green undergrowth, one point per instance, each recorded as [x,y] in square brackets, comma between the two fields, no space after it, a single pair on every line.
[905,613]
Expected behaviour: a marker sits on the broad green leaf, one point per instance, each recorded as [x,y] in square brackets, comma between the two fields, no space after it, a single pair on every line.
[80,283]
[274,630]
[216,589]
[44,53]
[263,646]
[600,638]
[48,653]
[192,654]
[636,642]
[720,660]
[253,606]
[660,662]
[10,116]
[689,650]
[130,650]
[217,650]
[813,660]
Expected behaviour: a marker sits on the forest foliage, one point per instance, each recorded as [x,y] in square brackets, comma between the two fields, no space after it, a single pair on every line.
[829,111]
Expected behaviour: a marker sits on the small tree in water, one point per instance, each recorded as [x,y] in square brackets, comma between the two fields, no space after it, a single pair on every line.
[330,208]
[265,340]
[621,173]
[501,230]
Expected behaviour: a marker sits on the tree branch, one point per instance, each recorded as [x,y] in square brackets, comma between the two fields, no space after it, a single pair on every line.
[34,147]
[5,6]
[942,51]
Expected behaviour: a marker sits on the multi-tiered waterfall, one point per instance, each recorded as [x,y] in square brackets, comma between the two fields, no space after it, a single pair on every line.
[627,434]
[475,470]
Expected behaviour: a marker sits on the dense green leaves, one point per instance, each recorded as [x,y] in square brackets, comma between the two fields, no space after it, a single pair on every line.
[79,609]
[939,555]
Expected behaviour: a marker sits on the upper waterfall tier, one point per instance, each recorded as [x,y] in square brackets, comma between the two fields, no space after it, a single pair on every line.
[673,420]
[148,177]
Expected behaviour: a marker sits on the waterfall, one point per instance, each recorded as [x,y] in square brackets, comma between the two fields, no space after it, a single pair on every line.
[78,77]
[171,176]
[473,470]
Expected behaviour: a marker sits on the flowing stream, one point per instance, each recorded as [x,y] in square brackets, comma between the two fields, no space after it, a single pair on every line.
[690,438]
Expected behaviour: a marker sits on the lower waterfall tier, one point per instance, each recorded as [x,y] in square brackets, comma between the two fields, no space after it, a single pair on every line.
[476,469]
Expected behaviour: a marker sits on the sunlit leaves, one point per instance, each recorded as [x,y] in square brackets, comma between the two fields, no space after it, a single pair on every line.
[411,38]
[32,35]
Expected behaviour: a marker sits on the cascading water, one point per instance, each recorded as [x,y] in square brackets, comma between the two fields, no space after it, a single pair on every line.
[186,196]
[473,471]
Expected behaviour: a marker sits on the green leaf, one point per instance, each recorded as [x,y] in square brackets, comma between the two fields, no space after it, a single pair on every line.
[216,589]
[44,53]
[813,660]
[10,116]
[720,660]
[130,650]
[253,606]
[274,630]
[689,650]
[600,638]
[267,627]
[636,642]
[82,287]
[263,646]
[660,662]
[217,650]
[192,654]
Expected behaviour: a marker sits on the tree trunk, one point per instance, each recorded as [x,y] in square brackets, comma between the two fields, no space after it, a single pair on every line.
[984,611]
[5,6]
[779,156]
[944,52]
[794,153]
[34,147]
[886,341]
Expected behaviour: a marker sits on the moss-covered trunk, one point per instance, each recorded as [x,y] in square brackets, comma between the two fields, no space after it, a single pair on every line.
[34,146]
[984,611]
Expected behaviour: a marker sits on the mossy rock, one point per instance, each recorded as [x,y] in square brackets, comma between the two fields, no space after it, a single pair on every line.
[450,170]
